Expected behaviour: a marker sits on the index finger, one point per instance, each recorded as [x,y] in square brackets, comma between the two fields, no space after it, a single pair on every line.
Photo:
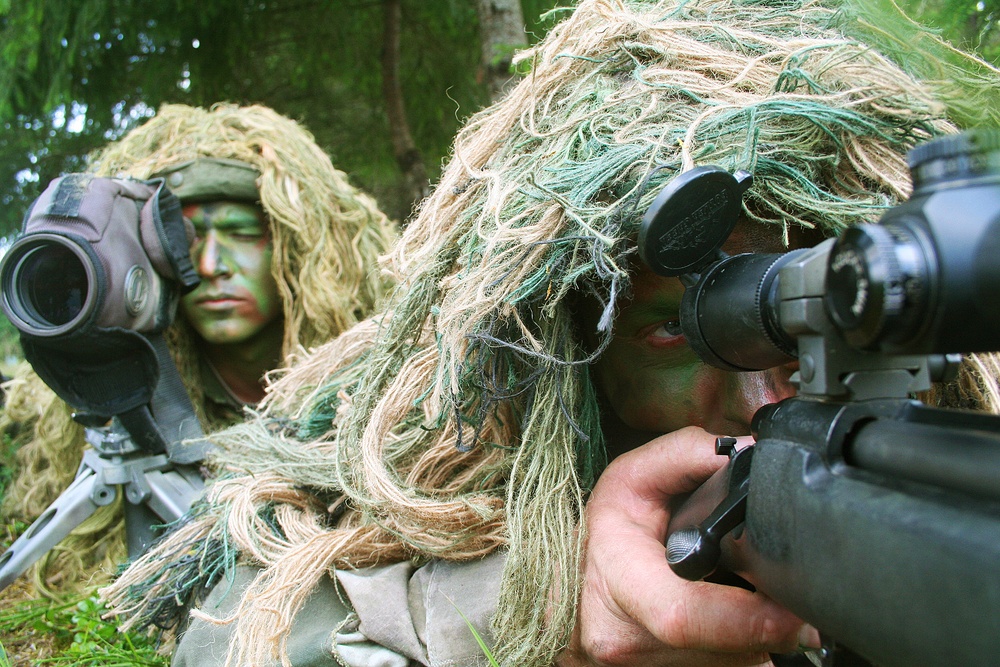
[668,466]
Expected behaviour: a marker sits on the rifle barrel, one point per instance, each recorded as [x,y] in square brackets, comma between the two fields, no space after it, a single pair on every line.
[966,461]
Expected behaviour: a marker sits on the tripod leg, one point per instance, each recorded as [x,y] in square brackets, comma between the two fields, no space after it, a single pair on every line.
[168,495]
[69,510]
[142,527]
[173,491]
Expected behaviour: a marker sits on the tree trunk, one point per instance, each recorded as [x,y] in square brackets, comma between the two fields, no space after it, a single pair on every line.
[410,162]
[501,32]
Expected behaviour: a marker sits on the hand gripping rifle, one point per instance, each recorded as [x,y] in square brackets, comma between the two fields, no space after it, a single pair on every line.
[91,283]
[871,516]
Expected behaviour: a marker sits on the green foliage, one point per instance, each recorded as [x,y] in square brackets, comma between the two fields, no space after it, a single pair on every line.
[317,61]
[967,85]
[69,634]
[971,24]
[77,636]
[112,62]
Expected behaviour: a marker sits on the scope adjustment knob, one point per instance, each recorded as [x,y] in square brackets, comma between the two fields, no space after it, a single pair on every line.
[866,286]
[954,158]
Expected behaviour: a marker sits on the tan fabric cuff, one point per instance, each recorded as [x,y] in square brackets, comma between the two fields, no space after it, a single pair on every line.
[414,612]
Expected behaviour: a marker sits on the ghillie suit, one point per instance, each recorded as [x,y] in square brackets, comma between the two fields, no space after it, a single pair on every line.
[326,235]
[464,418]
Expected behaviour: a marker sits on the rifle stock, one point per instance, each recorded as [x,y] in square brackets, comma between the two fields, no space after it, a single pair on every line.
[896,560]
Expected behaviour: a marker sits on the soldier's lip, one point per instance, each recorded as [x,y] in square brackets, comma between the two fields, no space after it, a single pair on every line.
[218,300]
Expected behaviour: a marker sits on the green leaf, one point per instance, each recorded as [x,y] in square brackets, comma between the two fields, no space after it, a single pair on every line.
[479,640]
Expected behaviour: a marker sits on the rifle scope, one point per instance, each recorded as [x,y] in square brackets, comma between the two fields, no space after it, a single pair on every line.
[923,280]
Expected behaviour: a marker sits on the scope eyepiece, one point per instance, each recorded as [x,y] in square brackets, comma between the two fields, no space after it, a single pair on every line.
[49,285]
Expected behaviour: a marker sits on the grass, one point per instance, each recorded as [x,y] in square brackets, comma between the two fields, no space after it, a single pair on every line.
[38,632]
[475,634]
[71,634]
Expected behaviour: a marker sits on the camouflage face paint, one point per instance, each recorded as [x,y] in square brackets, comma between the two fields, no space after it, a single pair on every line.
[652,379]
[238,297]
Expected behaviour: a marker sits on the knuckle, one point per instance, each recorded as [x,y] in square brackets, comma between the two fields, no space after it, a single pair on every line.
[607,649]
[773,636]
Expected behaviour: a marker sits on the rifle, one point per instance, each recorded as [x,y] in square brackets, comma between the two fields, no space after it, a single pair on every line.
[868,514]
[91,284]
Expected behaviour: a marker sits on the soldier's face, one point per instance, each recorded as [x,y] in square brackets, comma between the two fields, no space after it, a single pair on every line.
[238,297]
[652,379]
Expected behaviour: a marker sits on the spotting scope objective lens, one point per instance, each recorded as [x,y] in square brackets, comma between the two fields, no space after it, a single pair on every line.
[48,285]
[54,284]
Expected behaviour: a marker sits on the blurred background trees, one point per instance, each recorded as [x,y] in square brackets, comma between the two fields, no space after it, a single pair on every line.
[382,84]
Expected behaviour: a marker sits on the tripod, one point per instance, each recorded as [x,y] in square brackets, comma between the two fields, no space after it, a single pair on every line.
[142,451]
[157,492]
